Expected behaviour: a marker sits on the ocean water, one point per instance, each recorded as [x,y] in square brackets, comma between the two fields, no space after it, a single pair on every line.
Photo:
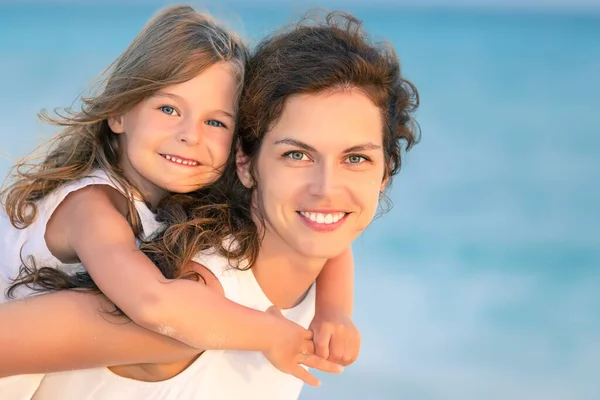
[482,281]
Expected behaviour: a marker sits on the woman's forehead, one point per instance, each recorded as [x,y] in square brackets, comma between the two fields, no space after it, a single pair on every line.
[345,118]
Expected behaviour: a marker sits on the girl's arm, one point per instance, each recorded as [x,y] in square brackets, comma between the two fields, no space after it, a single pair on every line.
[93,223]
[68,330]
[335,284]
[335,335]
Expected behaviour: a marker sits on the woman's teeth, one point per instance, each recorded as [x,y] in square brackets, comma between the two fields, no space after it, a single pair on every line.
[321,218]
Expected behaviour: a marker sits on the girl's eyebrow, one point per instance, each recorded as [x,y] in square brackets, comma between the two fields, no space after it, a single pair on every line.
[226,113]
[167,94]
[229,114]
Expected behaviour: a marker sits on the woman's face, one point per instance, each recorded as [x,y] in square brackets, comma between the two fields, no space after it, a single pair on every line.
[320,170]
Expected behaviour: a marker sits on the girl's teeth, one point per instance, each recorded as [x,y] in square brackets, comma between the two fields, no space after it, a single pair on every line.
[321,218]
[180,161]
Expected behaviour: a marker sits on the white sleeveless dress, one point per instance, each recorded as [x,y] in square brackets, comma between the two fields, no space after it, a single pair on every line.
[215,375]
[17,244]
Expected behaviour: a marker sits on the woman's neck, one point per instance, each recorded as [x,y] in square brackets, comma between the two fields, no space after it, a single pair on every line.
[283,274]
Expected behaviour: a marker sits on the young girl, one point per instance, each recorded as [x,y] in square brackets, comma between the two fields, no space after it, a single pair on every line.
[163,123]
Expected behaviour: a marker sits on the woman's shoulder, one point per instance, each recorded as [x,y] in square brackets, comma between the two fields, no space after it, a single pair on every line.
[206,276]
[226,272]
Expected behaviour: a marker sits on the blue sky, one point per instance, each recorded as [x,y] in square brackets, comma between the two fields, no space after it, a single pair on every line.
[541,5]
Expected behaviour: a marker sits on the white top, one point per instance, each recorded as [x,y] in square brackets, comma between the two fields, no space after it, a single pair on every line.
[31,241]
[215,375]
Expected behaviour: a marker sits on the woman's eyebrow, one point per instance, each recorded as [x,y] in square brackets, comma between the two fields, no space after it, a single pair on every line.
[294,142]
[302,145]
[362,147]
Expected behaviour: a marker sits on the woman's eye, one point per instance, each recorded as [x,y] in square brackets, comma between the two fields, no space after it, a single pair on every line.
[214,123]
[297,156]
[355,159]
[169,110]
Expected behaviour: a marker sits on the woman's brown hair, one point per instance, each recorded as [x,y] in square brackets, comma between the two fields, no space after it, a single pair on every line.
[313,56]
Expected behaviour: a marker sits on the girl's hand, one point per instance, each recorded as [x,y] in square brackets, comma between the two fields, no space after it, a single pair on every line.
[292,347]
[336,337]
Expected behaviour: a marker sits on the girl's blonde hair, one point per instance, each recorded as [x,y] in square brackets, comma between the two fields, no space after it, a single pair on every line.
[176,45]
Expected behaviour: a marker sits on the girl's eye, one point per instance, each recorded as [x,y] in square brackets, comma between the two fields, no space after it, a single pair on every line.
[169,110]
[297,156]
[214,123]
[356,159]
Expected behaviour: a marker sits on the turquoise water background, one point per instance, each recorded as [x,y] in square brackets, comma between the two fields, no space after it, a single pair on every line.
[483,281]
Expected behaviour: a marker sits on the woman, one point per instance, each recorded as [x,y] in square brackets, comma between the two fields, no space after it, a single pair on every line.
[323,117]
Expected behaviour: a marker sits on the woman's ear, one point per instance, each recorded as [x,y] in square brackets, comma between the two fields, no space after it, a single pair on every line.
[242,163]
[116,124]
[384,183]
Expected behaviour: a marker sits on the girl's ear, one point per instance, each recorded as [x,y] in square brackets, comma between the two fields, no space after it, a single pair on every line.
[242,163]
[116,124]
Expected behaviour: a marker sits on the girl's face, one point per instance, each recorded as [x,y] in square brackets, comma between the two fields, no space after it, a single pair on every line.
[320,170]
[179,139]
